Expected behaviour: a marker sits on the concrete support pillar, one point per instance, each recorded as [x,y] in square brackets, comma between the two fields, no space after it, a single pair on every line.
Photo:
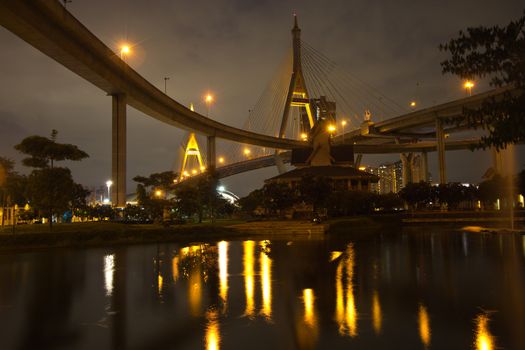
[118,159]
[440,136]
[280,164]
[406,160]
[424,167]
[496,160]
[211,154]
[358,159]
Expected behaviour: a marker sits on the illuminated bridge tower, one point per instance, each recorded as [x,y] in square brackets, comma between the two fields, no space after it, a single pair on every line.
[297,95]
[192,163]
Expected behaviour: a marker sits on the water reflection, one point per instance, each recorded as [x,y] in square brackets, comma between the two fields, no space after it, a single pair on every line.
[248,248]
[223,272]
[175,268]
[309,311]
[109,270]
[266,280]
[213,337]
[484,340]
[377,316]
[195,291]
[345,308]
[424,325]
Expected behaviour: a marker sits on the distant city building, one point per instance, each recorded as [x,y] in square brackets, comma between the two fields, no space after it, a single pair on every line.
[390,177]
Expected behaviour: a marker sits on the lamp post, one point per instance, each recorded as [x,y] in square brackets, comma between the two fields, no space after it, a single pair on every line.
[343,123]
[108,184]
[209,100]
[166,85]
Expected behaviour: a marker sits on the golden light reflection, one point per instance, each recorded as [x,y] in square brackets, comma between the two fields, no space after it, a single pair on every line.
[484,340]
[195,292]
[249,248]
[213,336]
[424,325]
[335,255]
[175,268]
[160,283]
[377,317]
[109,270]
[309,310]
[339,299]
[223,271]
[351,311]
[266,282]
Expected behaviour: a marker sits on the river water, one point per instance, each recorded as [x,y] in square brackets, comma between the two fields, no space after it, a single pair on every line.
[423,288]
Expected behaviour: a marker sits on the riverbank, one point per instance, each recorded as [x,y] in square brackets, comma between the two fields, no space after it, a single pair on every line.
[109,233]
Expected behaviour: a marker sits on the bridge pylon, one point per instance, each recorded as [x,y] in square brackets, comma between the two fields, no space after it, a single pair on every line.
[192,155]
[297,95]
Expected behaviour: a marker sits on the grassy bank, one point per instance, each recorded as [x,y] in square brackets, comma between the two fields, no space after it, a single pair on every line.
[109,233]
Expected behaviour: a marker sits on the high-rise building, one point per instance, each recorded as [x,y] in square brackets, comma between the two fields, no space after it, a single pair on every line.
[390,177]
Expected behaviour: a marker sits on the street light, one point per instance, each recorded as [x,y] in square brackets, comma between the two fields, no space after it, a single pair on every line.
[221,160]
[108,184]
[304,136]
[158,193]
[247,152]
[331,128]
[124,50]
[343,123]
[413,104]
[209,100]
[468,86]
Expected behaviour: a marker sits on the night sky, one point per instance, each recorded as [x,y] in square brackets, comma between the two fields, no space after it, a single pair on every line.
[232,48]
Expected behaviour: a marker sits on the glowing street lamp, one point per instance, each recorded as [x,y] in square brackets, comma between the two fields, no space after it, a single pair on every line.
[209,100]
[468,86]
[331,128]
[124,50]
[221,160]
[247,152]
[413,104]
[108,184]
[343,123]
[304,136]
[203,168]
[158,193]
[194,171]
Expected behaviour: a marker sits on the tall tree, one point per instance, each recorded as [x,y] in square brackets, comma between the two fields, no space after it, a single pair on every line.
[51,189]
[496,53]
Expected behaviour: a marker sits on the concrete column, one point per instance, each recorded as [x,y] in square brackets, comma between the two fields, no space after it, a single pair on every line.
[358,159]
[424,167]
[118,159]
[279,163]
[211,154]
[440,136]
[406,160]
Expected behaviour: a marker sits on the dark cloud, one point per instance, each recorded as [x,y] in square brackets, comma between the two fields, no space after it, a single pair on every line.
[232,48]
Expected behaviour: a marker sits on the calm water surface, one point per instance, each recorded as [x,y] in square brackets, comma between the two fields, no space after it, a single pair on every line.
[418,289]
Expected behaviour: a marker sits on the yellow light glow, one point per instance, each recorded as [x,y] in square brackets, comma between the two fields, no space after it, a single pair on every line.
[377,317]
[331,128]
[413,104]
[195,292]
[351,311]
[223,271]
[468,84]
[160,283]
[186,173]
[208,98]
[175,268]
[424,325]
[362,168]
[221,160]
[339,299]
[309,312]
[304,136]
[484,340]
[109,270]
[343,123]
[175,181]
[203,168]
[248,247]
[213,336]
[521,200]
[247,151]
[335,255]
[194,171]
[158,193]
[266,283]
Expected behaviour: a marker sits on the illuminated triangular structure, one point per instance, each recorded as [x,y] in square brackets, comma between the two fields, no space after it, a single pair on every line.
[192,151]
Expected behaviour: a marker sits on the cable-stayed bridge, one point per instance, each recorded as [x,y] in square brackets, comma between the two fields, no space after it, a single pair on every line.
[308,87]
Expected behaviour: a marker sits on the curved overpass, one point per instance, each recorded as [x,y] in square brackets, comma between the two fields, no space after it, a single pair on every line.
[49,27]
